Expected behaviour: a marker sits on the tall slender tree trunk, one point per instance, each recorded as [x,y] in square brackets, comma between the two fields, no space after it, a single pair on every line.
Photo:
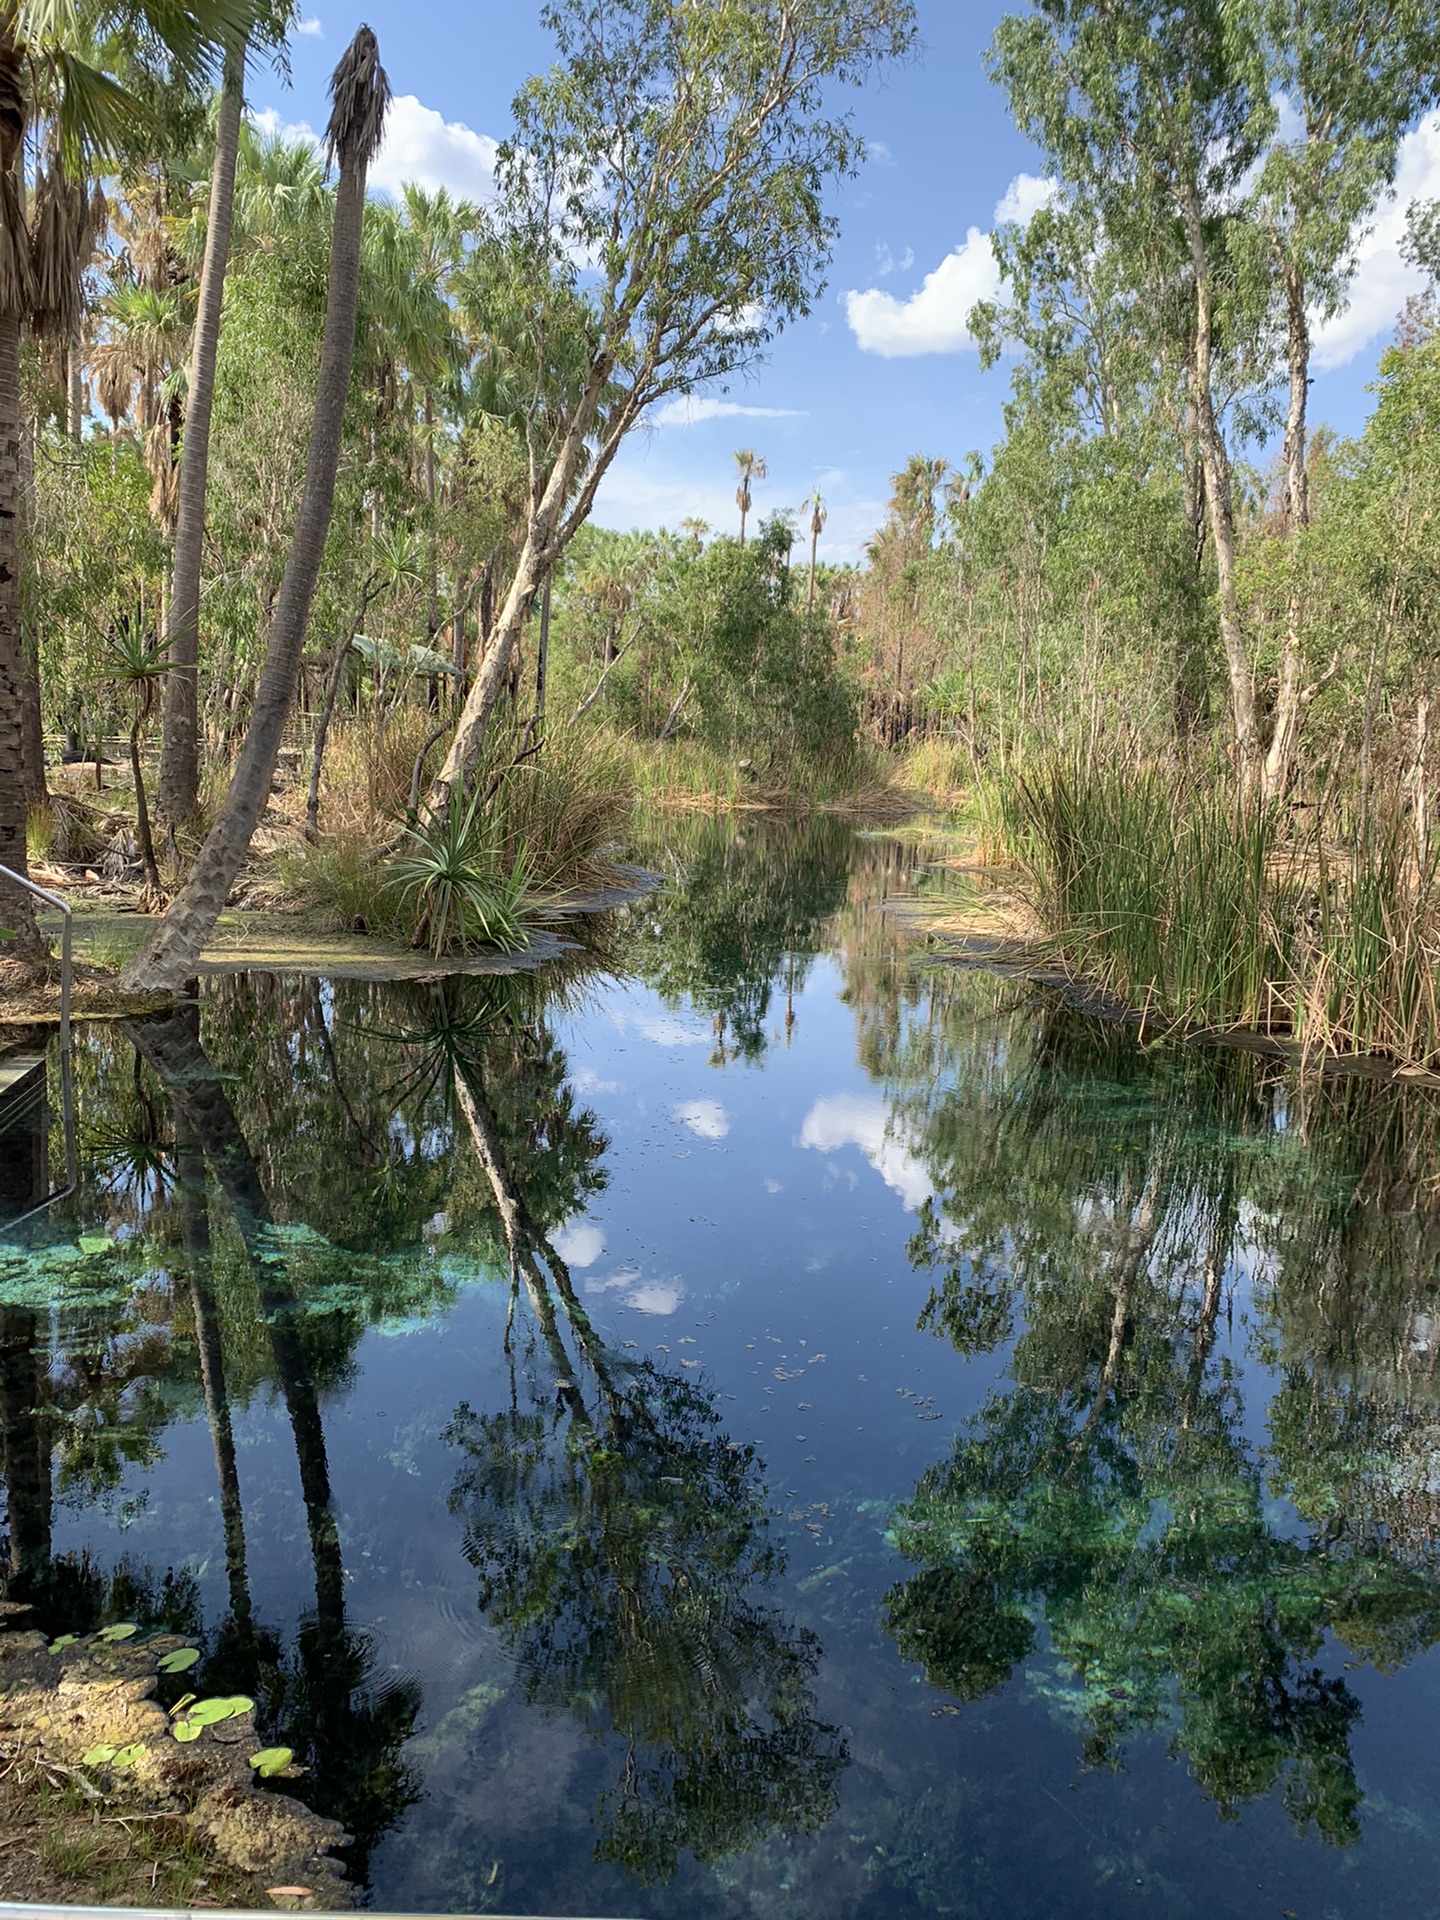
[17,911]
[1290,700]
[1220,499]
[169,957]
[540,550]
[179,784]
[195,1227]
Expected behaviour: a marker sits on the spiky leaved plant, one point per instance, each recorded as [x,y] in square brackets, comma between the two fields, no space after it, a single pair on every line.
[360,94]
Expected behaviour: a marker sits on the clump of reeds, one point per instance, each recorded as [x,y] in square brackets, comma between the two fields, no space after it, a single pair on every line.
[1172,895]
[1168,895]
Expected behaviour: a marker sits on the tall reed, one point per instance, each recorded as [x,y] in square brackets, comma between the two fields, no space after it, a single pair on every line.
[1177,899]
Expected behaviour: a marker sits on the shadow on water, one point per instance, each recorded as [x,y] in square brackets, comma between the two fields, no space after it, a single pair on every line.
[1182,1309]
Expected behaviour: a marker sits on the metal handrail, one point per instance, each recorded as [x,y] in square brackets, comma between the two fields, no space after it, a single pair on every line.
[67,1096]
[52,900]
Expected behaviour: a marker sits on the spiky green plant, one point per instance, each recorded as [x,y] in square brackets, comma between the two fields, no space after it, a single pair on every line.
[450,887]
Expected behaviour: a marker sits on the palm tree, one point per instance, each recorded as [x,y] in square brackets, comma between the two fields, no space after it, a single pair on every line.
[359,93]
[750,467]
[179,782]
[817,527]
[60,109]
[138,663]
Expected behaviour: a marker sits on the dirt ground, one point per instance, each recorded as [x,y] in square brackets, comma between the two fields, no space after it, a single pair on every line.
[180,1825]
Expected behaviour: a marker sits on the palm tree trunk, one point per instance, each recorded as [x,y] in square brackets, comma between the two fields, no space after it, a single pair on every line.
[195,1226]
[169,957]
[179,783]
[17,911]
[142,811]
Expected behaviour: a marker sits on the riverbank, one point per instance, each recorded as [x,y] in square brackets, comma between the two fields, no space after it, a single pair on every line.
[102,1804]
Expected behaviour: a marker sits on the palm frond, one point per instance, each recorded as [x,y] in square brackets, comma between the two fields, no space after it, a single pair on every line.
[359,95]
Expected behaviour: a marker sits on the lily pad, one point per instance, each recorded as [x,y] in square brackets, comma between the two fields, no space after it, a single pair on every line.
[64,1640]
[100,1756]
[122,1630]
[207,1713]
[271,1760]
[127,1756]
[185,1730]
[180,1661]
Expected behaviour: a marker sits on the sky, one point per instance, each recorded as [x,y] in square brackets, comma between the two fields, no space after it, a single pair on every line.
[883,368]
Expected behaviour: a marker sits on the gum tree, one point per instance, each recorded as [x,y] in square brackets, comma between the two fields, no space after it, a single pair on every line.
[1152,119]
[663,193]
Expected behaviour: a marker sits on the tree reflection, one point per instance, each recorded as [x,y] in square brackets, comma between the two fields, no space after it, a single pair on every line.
[621,1546]
[742,896]
[1112,1493]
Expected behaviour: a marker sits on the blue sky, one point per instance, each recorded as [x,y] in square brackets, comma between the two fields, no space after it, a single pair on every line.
[883,368]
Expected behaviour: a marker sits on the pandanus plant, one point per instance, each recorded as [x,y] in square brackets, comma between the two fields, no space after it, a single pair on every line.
[138,661]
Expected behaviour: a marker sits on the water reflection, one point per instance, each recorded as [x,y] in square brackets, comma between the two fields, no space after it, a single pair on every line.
[584,1627]
[1109,1510]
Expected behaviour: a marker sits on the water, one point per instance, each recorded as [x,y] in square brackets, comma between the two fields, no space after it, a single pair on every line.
[937,1457]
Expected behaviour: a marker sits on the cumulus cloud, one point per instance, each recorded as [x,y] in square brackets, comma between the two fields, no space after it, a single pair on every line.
[689,412]
[311,29]
[580,1243]
[422,147]
[645,1296]
[933,319]
[879,154]
[1384,281]
[859,1120]
[705,1118]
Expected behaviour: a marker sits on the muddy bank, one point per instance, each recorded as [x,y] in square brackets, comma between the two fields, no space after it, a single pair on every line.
[166,1822]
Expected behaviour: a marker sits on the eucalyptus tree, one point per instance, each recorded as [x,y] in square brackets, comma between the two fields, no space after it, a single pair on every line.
[360,94]
[1152,118]
[663,192]
[1354,77]
[60,103]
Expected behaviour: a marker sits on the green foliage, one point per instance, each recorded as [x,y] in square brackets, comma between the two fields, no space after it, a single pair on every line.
[448,886]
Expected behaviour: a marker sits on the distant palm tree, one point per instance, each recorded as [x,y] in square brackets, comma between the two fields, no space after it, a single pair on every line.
[360,94]
[750,467]
[817,527]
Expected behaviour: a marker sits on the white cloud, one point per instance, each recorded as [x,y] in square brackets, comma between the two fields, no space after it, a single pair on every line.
[311,29]
[1383,280]
[1026,194]
[933,319]
[422,147]
[878,152]
[688,412]
[859,1120]
[886,263]
[645,1296]
[580,1244]
[705,1118]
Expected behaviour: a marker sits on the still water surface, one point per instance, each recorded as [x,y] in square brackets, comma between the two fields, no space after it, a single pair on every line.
[759,1423]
